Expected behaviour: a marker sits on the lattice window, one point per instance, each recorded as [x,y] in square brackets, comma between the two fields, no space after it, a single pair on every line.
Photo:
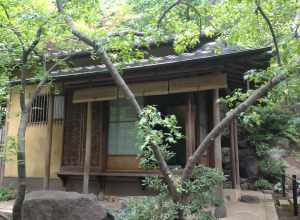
[122,132]
[39,111]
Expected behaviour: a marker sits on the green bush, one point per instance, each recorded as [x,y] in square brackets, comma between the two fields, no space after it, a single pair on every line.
[149,208]
[262,184]
[6,194]
[271,169]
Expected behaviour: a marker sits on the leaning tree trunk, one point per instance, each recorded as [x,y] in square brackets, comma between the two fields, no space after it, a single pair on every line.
[17,208]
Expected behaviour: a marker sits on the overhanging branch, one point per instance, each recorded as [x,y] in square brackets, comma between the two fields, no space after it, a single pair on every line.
[263,14]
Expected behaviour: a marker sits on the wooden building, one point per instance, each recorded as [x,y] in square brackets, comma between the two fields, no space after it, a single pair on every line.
[87,111]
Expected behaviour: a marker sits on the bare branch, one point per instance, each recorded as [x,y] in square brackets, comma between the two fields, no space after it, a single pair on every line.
[263,14]
[124,33]
[164,14]
[26,53]
[33,45]
[43,81]
[221,126]
[196,12]
[70,23]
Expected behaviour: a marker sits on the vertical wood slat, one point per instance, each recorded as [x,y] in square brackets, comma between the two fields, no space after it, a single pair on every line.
[88,148]
[49,134]
[217,141]
[190,126]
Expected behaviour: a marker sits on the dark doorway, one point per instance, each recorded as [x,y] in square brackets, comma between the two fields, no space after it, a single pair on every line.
[173,105]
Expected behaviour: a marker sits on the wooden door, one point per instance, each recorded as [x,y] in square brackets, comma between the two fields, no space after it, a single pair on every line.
[75,135]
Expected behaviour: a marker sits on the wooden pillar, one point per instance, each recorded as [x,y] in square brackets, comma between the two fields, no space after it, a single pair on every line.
[88,149]
[234,154]
[217,141]
[49,147]
[220,211]
[190,126]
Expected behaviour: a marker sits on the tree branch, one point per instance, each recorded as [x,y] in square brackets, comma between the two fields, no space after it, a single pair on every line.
[164,14]
[263,14]
[221,126]
[26,53]
[124,33]
[33,45]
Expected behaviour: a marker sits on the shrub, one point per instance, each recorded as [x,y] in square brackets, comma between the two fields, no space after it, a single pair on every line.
[6,194]
[262,184]
[271,169]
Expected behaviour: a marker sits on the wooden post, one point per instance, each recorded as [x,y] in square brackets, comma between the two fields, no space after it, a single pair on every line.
[49,147]
[190,126]
[234,155]
[216,120]
[295,195]
[88,148]
[220,211]
[237,161]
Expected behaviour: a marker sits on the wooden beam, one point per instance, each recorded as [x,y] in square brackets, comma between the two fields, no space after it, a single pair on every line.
[217,142]
[49,147]
[188,84]
[88,149]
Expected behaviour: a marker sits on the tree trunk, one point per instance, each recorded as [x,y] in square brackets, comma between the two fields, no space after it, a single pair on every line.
[17,208]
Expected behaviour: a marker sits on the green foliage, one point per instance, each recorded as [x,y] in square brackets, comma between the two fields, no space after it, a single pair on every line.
[150,208]
[271,169]
[156,130]
[262,184]
[6,194]
[201,190]
[164,133]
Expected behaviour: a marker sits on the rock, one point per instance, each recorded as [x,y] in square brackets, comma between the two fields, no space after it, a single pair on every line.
[249,199]
[248,167]
[277,153]
[282,142]
[59,205]
[220,212]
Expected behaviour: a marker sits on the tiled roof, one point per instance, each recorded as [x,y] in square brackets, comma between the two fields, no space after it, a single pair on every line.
[202,54]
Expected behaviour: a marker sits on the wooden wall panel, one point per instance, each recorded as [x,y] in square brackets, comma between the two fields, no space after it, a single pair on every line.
[199,83]
[122,163]
[191,84]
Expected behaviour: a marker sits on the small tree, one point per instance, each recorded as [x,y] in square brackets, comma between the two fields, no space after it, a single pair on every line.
[25,32]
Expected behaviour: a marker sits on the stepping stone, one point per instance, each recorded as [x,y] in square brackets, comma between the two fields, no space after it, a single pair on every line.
[249,199]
